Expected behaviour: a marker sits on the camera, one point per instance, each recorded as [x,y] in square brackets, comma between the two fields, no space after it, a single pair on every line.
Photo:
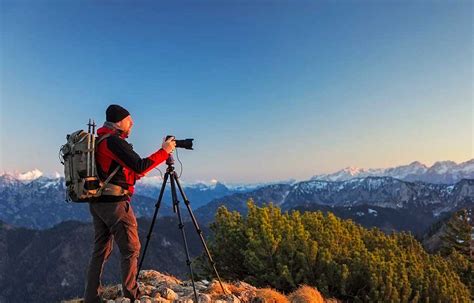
[186,143]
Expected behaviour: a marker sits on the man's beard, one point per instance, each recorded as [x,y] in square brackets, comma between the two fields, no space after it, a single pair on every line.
[114,126]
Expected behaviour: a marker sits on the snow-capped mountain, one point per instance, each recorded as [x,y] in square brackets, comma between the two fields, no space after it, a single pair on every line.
[387,192]
[36,200]
[441,172]
[147,183]
[201,192]
[385,202]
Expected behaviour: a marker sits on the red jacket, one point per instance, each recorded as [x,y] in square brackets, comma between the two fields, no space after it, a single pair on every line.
[114,150]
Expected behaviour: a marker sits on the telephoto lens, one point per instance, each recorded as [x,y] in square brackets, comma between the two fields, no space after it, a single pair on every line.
[186,143]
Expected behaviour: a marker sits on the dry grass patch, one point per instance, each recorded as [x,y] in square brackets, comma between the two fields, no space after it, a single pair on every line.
[215,288]
[270,295]
[306,294]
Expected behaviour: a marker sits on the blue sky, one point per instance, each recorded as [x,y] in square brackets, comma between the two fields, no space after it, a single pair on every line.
[270,90]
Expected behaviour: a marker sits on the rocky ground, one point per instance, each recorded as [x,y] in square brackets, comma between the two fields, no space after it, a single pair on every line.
[157,287]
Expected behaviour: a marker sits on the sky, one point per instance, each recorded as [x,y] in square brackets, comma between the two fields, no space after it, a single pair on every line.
[269,90]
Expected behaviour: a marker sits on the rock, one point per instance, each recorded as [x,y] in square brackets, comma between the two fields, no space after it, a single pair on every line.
[146,299]
[168,294]
[155,293]
[232,299]
[147,290]
[204,298]
[161,288]
[112,292]
[200,285]
[229,298]
[155,278]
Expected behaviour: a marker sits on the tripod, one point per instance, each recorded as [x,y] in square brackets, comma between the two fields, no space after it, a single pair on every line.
[174,181]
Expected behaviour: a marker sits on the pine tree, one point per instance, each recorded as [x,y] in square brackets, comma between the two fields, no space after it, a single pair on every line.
[458,234]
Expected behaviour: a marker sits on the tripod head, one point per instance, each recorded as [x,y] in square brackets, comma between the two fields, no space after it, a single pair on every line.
[170,161]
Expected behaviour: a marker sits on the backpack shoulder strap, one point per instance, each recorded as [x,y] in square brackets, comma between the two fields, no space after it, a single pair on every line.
[113,172]
[111,175]
[102,138]
[99,192]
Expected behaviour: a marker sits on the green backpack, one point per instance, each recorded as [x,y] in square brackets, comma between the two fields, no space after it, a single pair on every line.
[80,173]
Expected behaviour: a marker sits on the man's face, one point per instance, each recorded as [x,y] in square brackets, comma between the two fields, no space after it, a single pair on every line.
[126,124]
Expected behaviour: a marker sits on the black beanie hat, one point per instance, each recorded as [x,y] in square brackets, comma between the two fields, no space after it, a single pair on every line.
[115,113]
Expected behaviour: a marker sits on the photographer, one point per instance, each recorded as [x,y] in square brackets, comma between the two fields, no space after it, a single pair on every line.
[112,214]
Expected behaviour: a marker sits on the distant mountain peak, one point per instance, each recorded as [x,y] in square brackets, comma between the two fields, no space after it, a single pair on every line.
[24,176]
[441,167]
[417,163]
[445,162]
[352,170]
[150,181]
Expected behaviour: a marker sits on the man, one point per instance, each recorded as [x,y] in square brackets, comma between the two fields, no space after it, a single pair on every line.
[112,213]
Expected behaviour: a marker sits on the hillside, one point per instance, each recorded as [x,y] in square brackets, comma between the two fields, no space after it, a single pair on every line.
[269,247]
[49,265]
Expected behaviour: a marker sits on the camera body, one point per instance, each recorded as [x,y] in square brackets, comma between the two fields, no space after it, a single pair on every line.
[186,143]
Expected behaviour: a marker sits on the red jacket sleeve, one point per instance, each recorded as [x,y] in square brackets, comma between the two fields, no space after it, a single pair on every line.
[127,157]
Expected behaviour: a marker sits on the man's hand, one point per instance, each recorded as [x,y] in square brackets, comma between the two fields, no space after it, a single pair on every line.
[169,145]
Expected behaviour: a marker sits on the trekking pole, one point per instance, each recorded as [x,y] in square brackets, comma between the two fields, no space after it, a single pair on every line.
[93,147]
[88,155]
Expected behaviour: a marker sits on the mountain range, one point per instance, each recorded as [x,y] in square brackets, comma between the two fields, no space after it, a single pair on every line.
[373,197]
[385,202]
[40,202]
[441,172]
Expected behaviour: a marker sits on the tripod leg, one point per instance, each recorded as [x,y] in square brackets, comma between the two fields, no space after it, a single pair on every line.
[199,231]
[157,207]
[181,227]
